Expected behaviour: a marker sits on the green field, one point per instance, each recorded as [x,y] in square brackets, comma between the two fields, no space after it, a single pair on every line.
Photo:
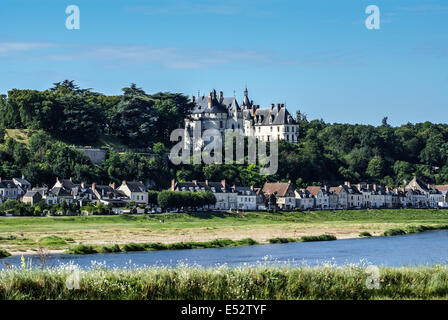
[183,227]
[262,282]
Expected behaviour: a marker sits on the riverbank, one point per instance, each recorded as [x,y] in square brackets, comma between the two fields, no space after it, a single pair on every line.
[262,282]
[24,235]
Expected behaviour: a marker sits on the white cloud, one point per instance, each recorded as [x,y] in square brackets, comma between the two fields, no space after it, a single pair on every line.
[7,48]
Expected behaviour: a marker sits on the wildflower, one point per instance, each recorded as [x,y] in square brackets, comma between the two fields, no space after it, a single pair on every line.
[22,259]
[437,267]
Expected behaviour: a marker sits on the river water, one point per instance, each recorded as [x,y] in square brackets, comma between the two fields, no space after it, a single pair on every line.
[428,248]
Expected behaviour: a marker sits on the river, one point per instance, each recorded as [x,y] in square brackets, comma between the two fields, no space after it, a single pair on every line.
[428,248]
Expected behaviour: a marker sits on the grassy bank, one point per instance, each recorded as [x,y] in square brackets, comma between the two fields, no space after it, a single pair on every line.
[26,233]
[132,247]
[413,229]
[227,283]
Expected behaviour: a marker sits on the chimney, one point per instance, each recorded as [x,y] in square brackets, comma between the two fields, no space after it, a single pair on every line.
[70,178]
[279,106]
[374,186]
[83,184]
[193,99]
[112,185]
[206,182]
[194,181]
[173,183]
[347,183]
[289,181]
[23,177]
[252,187]
[93,186]
[221,96]
[123,182]
[223,183]
[283,105]
[272,106]
[0,179]
[57,179]
[210,97]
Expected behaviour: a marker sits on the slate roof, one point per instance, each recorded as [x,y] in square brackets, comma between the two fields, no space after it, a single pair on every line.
[135,186]
[223,106]
[22,181]
[67,184]
[245,191]
[5,183]
[215,187]
[32,194]
[60,192]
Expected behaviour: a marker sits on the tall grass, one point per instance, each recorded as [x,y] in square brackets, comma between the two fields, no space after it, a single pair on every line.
[260,282]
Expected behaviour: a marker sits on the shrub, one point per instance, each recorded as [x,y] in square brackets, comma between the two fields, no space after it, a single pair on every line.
[129,247]
[282,240]
[394,232]
[365,234]
[82,249]
[4,254]
[113,249]
[322,237]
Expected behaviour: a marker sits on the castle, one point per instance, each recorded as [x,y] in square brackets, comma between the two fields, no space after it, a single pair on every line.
[218,112]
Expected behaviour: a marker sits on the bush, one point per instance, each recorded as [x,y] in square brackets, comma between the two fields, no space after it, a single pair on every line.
[4,254]
[282,240]
[113,249]
[322,237]
[129,247]
[365,234]
[394,232]
[82,249]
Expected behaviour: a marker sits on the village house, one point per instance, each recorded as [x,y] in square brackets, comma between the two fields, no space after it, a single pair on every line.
[283,192]
[32,197]
[304,199]
[108,195]
[324,198]
[8,190]
[246,198]
[22,184]
[135,191]
[423,195]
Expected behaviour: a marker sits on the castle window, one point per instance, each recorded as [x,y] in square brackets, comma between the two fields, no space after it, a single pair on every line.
[220,124]
[271,129]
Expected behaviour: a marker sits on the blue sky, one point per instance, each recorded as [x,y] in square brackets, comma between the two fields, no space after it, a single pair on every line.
[316,56]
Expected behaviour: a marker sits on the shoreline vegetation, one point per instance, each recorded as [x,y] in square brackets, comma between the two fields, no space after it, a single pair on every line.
[126,233]
[245,283]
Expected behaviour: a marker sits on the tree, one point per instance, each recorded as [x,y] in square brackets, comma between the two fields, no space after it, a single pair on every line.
[375,169]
